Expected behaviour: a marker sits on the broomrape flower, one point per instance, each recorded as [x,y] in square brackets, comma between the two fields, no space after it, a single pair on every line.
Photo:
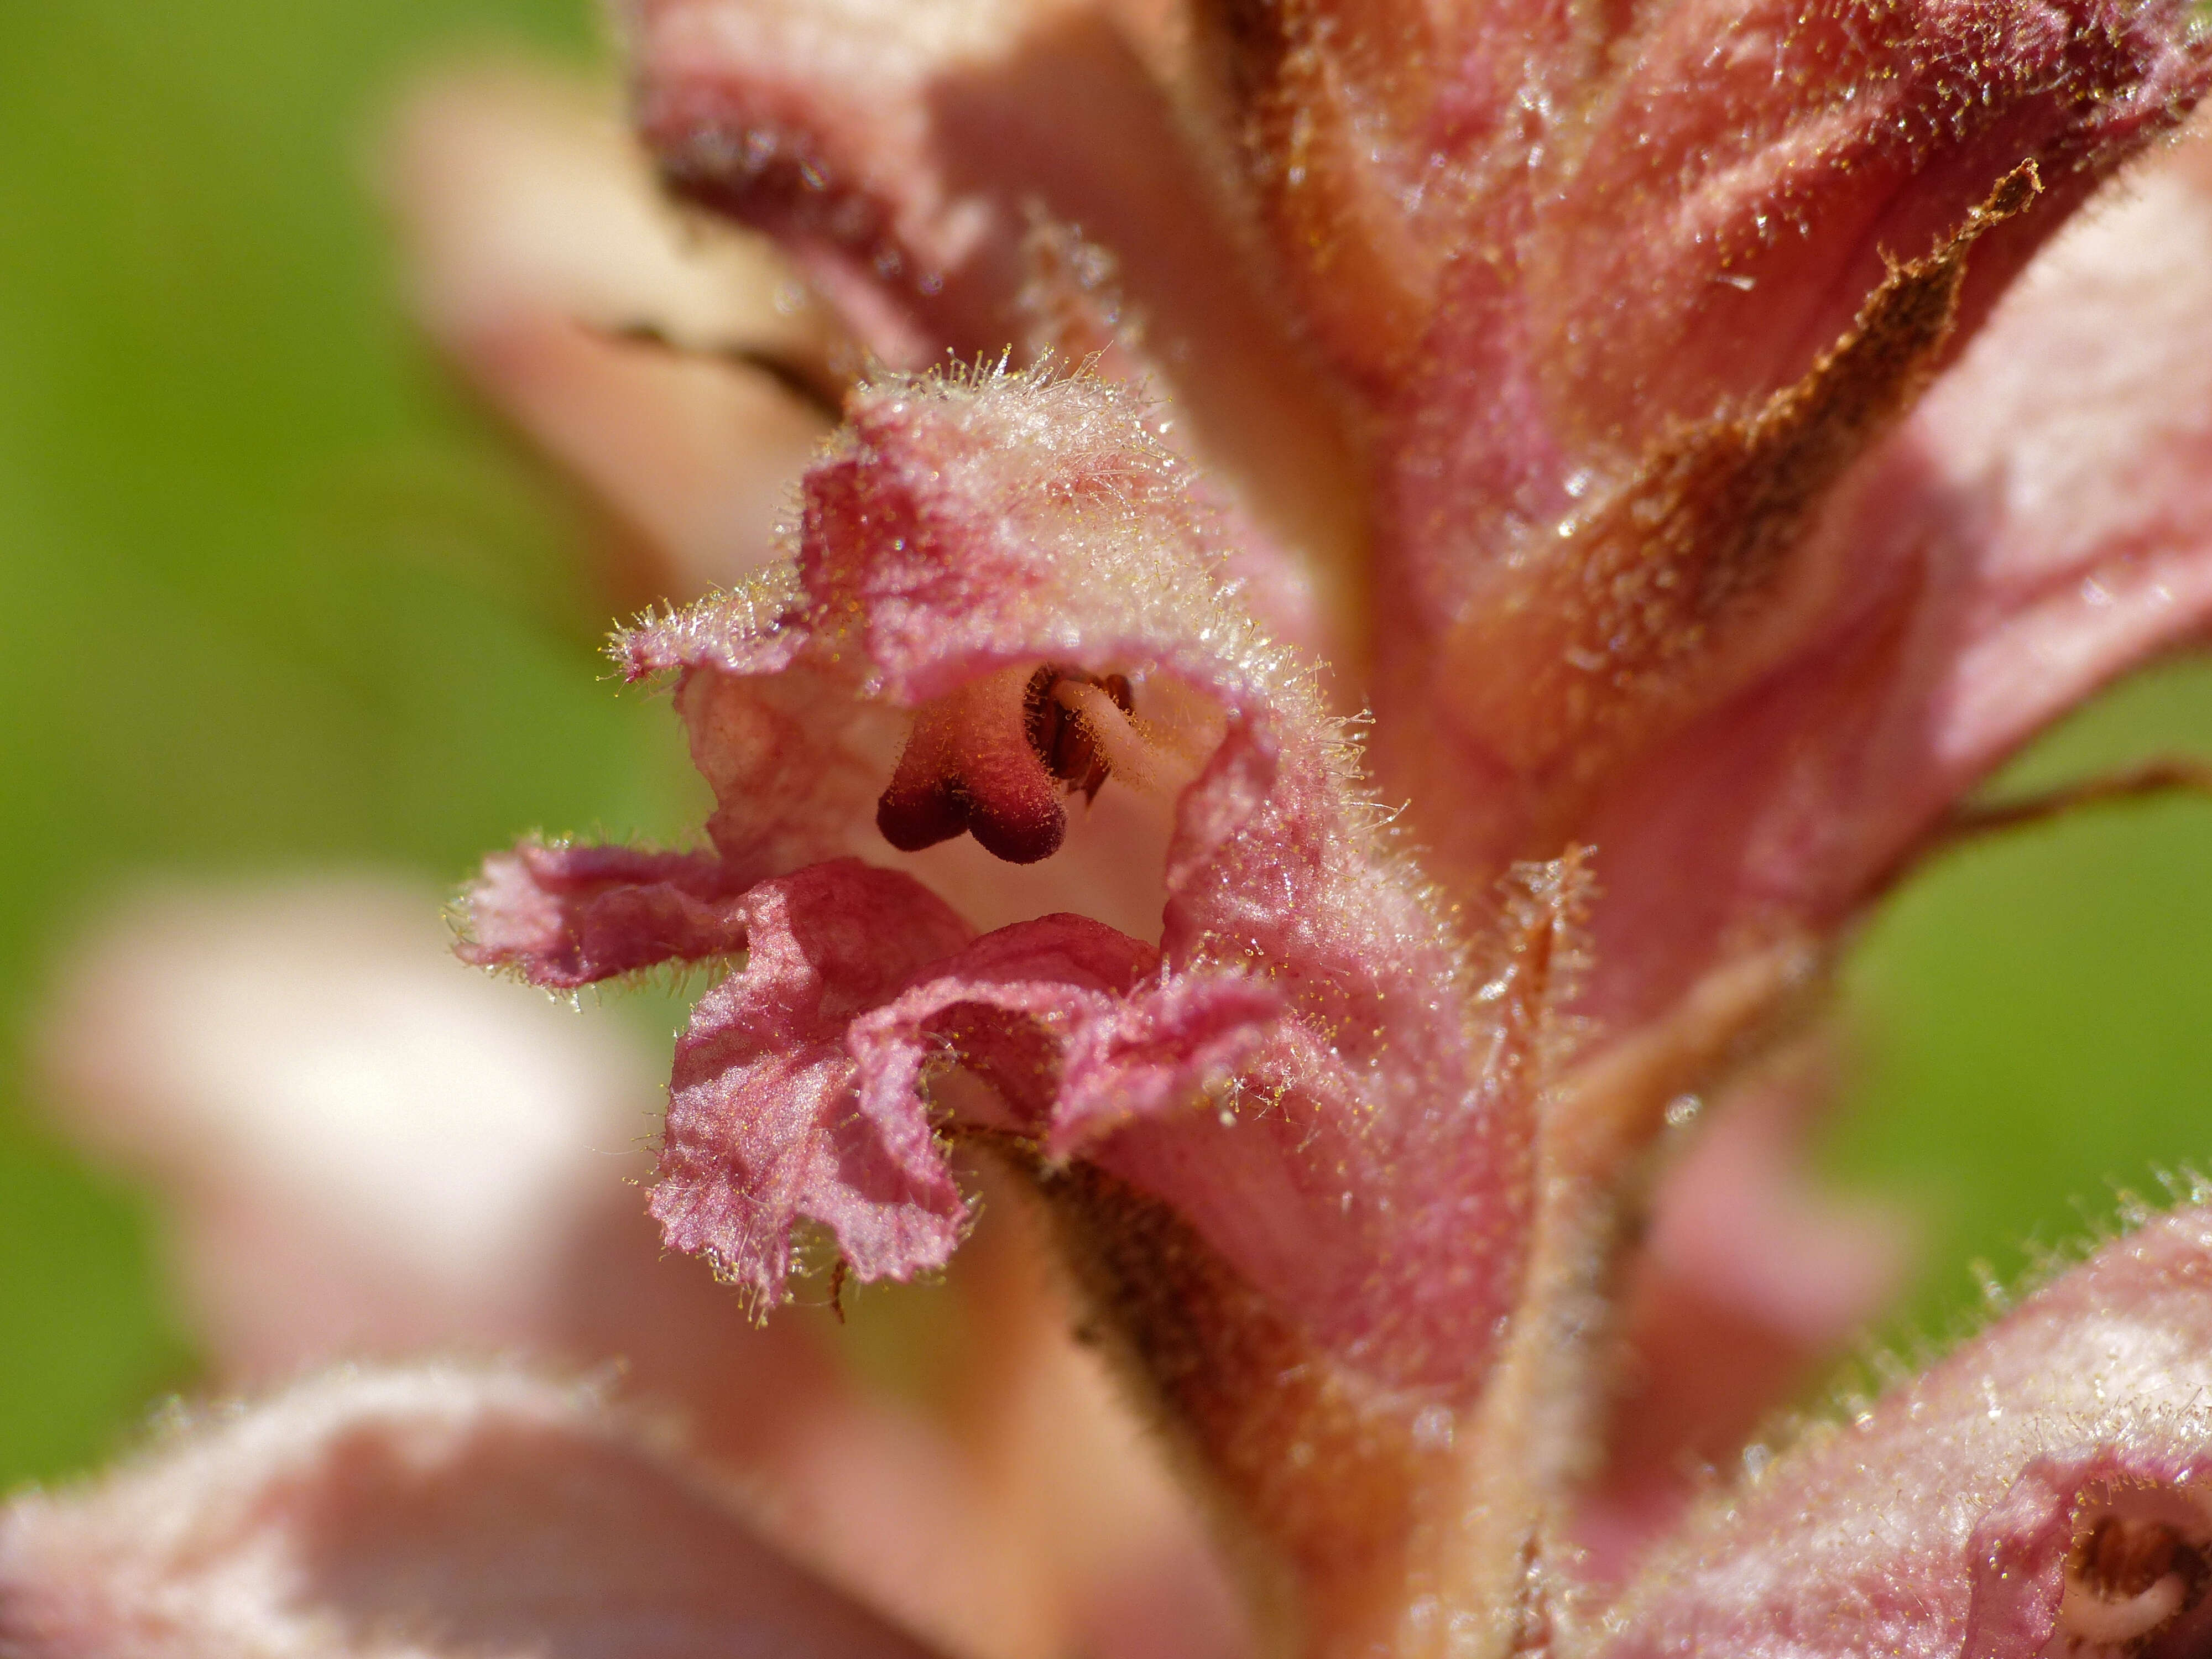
[1684,429]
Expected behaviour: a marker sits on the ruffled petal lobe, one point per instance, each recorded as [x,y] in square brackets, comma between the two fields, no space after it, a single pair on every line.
[434,1510]
[2045,1490]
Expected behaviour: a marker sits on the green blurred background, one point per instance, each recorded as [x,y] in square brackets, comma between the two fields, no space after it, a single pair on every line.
[275,596]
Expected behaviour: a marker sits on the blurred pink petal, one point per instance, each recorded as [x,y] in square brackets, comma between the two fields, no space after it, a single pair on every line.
[1749,1280]
[364,1149]
[369,1152]
[536,237]
[429,1511]
[2038,526]
[971,177]
[1042,1420]
[366,1152]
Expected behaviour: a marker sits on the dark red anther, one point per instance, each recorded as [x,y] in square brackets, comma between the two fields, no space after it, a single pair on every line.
[994,758]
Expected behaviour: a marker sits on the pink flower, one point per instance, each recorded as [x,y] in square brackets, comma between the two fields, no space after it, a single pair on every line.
[368,1151]
[1681,429]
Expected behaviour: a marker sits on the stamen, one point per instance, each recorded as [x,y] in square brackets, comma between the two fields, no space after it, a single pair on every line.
[994,758]
[970,765]
[1141,753]
[1066,740]
[2130,1575]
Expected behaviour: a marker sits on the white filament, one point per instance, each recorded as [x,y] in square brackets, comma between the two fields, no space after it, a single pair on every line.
[1138,752]
[2089,1617]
